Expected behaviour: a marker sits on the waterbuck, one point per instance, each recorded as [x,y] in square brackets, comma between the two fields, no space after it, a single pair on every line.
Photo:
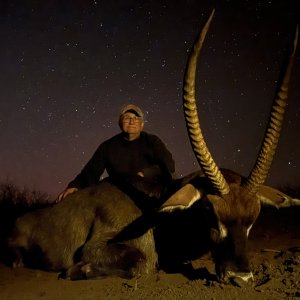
[102,230]
[235,201]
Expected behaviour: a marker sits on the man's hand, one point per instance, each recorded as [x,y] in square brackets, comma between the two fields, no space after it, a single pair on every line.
[65,193]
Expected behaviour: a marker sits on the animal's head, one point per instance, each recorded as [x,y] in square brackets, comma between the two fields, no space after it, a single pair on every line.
[234,201]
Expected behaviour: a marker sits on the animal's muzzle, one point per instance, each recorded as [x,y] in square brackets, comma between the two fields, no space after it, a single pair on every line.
[240,278]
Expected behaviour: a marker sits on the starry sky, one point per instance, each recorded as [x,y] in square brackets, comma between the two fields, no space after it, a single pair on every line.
[68,66]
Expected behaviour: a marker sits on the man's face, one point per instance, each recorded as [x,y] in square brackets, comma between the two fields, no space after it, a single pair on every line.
[131,123]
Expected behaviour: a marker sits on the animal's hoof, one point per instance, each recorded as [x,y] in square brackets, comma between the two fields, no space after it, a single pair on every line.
[62,275]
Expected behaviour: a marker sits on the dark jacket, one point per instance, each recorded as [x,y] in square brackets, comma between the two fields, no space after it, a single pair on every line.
[123,158]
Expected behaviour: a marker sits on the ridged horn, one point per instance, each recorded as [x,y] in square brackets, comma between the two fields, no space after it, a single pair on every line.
[264,160]
[199,146]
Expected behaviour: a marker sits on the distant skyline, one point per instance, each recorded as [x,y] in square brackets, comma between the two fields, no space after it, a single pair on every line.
[68,67]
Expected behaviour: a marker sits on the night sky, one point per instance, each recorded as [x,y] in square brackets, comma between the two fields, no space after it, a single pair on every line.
[68,66]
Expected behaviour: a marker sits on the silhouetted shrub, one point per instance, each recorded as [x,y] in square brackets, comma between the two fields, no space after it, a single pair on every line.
[15,202]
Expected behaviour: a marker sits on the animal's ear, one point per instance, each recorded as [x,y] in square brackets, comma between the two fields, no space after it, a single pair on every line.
[182,199]
[273,197]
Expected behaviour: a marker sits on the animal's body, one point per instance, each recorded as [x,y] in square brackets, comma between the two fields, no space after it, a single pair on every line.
[77,230]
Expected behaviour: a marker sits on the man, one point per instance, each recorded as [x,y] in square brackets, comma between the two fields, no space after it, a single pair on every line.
[133,152]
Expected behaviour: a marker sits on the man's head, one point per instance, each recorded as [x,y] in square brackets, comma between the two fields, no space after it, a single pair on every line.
[131,121]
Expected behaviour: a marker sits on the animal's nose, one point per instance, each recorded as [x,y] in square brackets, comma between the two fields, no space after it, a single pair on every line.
[240,278]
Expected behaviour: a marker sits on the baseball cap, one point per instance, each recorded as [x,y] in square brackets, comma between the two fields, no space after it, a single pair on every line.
[131,108]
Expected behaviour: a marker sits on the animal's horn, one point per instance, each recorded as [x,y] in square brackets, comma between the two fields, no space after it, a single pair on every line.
[263,163]
[199,146]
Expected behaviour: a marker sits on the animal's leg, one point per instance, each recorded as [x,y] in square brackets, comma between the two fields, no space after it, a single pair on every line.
[91,271]
[17,258]
[15,252]
[109,260]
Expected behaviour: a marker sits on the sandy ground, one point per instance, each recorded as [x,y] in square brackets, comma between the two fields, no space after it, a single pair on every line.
[275,257]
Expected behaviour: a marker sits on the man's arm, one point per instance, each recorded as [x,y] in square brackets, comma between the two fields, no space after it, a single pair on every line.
[164,158]
[92,171]
[89,175]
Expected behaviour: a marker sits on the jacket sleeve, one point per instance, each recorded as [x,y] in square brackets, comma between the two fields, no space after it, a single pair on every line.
[92,171]
[164,158]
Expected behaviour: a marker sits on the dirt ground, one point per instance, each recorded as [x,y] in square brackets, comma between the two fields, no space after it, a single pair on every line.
[274,245]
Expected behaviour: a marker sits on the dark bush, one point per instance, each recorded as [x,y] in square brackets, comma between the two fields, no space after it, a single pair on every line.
[15,202]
